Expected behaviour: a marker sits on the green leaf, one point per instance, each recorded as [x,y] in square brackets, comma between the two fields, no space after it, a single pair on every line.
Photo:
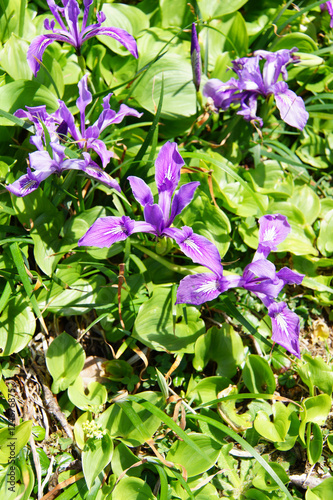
[263,479]
[14,58]
[316,410]
[325,240]
[132,488]
[275,431]
[303,42]
[208,389]
[118,424]
[306,200]
[17,94]
[314,443]
[172,12]
[214,8]
[64,359]
[91,398]
[315,372]
[162,326]
[181,453]
[117,369]
[17,326]
[321,492]
[179,96]
[96,455]
[12,440]
[222,345]
[258,376]
[238,39]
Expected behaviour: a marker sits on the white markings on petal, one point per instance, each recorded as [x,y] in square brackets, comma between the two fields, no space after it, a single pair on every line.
[168,175]
[282,323]
[270,234]
[116,230]
[29,184]
[190,243]
[208,287]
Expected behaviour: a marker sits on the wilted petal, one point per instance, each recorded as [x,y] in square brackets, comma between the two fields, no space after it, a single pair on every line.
[291,106]
[197,289]
[290,277]
[68,118]
[248,107]
[142,193]
[41,160]
[117,33]
[222,93]
[182,198]
[198,248]
[285,327]
[107,230]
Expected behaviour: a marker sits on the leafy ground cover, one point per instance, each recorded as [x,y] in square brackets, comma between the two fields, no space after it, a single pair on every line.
[138,151]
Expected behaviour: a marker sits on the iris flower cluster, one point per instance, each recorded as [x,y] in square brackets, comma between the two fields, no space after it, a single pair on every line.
[72,34]
[259,277]
[51,158]
[253,82]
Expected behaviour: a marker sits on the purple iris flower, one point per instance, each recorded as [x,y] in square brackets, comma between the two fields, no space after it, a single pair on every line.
[88,138]
[259,277]
[328,6]
[72,34]
[45,165]
[195,58]
[158,216]
[253,82]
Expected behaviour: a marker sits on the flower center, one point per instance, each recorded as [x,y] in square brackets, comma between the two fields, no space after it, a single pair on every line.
[282,323]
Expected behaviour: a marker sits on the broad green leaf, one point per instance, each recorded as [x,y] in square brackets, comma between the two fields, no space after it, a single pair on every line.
[316,410]
[96,455]
[306,200]
[238,40]
[17,94]
[222,345]
[48,245]
[258,376]
[208,389]
[132,488]
[64,359]
[179,96]
[17,325]
[12,440]
[275,431]
[90,398]
[118,424]
[214,8]
[127,17]
[172,12]
[161,325]
[117,369]
[300,40]
[314,443]
[315,372]
[123,458]
[325,238]
[263,480]
[181,453]
[269,178]
[321,492]
[13,59]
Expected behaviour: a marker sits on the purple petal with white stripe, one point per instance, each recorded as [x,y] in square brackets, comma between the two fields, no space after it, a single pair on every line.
[28,183]
[273,230]
[285,327]
[196,247]
[197,289]
[291,107]
[107,230]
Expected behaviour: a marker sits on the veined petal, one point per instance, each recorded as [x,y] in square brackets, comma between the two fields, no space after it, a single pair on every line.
[222,93]
[83,101]
[261,268]
[290,277]
[291,107]
[99,147]
[273,230]
[109,116]
[95,172]
[196,247]
[141,192]
[72,12]
[38,46]
[41,160]
[28,183]
[167,174]
[154,216]
[248,109]
[68,118]
[117,33]
[285,327]
[182,198]
[198,288]
[107,230]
